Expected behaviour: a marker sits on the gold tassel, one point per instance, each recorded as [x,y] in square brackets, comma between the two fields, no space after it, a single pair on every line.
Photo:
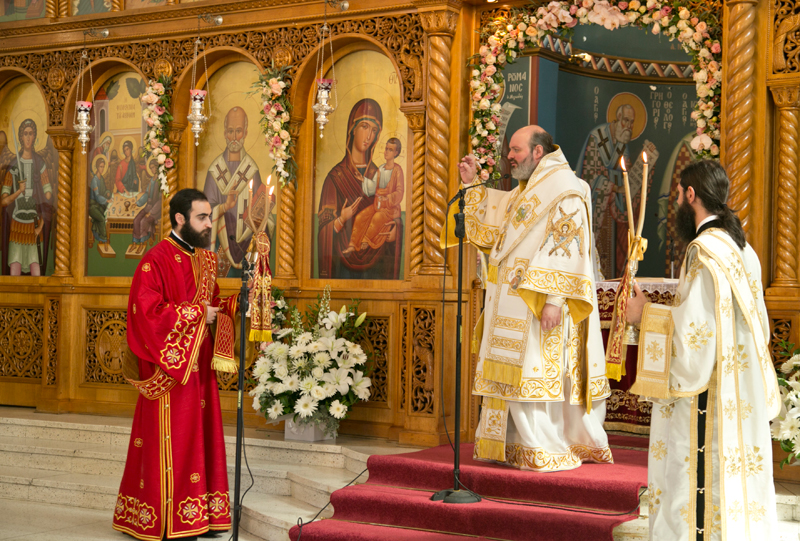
[491,275]
[614,371]
[260,335]
[224,365]
[490,450]
[502,373]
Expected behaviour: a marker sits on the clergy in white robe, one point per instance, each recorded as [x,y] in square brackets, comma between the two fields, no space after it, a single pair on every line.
[541,369]
[705,364]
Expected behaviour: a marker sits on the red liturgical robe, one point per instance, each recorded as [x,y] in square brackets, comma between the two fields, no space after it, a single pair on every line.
[175,480]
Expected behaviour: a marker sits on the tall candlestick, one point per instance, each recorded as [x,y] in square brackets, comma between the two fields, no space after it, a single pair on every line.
[627,193]
[643,198]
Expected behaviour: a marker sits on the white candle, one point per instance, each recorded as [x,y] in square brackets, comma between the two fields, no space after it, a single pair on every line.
[627,193]
[643,197]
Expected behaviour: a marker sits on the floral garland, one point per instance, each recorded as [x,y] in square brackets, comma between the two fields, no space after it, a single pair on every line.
[272,86]
[505,39]
[155,111]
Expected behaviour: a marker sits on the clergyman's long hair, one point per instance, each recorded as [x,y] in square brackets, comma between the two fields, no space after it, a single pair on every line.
[711,184]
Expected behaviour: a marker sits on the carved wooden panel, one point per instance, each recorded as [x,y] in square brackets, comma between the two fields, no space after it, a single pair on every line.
[423,351]
[376,339]
[21,342]
[51,328]
[227,381]
[781,330]
[401,34]
[106,344]
[404,355]
[785,38]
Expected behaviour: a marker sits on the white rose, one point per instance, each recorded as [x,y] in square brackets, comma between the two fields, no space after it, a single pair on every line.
[701,123]
[496,108]
[484,104]
[161,159]
[701,76]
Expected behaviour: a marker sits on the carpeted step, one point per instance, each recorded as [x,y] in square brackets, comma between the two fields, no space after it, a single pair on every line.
[500,520]
[610,487]
[326,530]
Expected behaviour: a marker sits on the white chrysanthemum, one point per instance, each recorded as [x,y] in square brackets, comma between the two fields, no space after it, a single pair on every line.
[297,351]
[337,409]
[304,338]
[300,363]
[340,379]
[305,406]
[264,379]
[280,370]
[787,367]
[270,350]
[314,347]
[257,403]
[307,384]
[330,389]
[318,393]
[318,372]
[281,350]
[275,410]
[292,382]
[322,359]
[262,367]
[278,388]
[789,427]
[361,385]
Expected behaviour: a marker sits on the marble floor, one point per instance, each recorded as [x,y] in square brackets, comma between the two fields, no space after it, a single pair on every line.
[32,521]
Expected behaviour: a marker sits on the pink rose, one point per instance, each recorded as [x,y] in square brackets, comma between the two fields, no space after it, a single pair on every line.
[573,9]
[657,16]
[278,107]
[150,122]
[166,149]
[694,21]
[158,87]
[159,110]
[496,119]
[492,139]
[666,10]
[169,163]
[572,23]
[490,161]
[277,141]
[490,70]
[484,175]
[623,5]
[267,108]
[701,26]
[715,48]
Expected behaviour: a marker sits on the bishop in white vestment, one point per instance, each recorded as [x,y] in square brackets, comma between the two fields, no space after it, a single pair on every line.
[705,364]
[542,368]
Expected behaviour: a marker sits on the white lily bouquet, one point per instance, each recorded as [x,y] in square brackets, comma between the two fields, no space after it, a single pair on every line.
[314,371]
[786,427]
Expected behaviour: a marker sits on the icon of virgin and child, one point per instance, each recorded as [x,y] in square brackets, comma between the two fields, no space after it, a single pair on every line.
[360,223]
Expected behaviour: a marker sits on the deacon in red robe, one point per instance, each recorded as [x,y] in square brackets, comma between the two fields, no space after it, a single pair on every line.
[175,483]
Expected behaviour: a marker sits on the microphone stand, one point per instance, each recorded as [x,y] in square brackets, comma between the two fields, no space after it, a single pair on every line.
[456,495]
[243,306]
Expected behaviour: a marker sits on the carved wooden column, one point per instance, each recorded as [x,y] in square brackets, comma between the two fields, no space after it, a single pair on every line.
[787,99]
[439,22]
[286,219]
[65,144]
[416,121]
[63,8]
[739,112]
[174,136]
[117,5]
[51,8]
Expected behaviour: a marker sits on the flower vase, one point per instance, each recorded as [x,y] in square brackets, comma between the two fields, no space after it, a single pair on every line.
[305,432]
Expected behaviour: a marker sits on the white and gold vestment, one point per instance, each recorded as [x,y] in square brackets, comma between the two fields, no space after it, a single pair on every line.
[543,406]
[705,362]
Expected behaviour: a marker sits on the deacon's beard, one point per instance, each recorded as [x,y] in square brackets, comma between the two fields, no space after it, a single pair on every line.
[192,237]
[685,222]
[524,170]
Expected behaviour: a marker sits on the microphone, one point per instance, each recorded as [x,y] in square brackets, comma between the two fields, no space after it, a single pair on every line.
[460,193]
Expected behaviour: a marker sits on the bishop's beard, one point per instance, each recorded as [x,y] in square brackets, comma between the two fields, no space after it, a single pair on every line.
[192,237]
[685,222]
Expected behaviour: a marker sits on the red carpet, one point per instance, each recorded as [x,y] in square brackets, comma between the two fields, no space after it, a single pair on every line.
[395,503]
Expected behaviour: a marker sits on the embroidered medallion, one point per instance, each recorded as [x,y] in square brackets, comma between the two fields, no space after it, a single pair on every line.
[195,368]
[141,483]
[202,403]
[137,442]
[563,231]
[195,477]
[178,258]
[134,308]
[516,280]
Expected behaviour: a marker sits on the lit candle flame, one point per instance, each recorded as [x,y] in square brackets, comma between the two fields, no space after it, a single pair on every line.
[622,162]
[644,156]
[269,179]
[251,185]
[271,189]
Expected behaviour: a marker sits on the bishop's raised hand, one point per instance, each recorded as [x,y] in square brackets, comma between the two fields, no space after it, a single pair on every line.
[468,168]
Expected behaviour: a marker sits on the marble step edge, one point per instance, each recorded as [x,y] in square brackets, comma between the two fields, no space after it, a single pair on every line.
[119,436]
[271,517]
